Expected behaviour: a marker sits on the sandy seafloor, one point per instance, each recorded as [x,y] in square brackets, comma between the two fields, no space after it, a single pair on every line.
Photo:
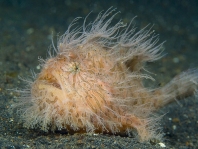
[25,30]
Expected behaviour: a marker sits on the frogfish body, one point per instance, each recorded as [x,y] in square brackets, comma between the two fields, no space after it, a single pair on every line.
[94,83]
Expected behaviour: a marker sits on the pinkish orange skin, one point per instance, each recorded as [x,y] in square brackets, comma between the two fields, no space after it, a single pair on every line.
[88,90]
[94,83]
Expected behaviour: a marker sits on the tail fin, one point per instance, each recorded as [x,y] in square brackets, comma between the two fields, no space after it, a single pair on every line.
[183,85]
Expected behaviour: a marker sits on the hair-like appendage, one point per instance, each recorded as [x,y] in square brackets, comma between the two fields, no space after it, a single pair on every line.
[94,82]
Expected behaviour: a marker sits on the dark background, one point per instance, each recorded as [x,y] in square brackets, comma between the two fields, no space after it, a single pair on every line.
[26,28]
